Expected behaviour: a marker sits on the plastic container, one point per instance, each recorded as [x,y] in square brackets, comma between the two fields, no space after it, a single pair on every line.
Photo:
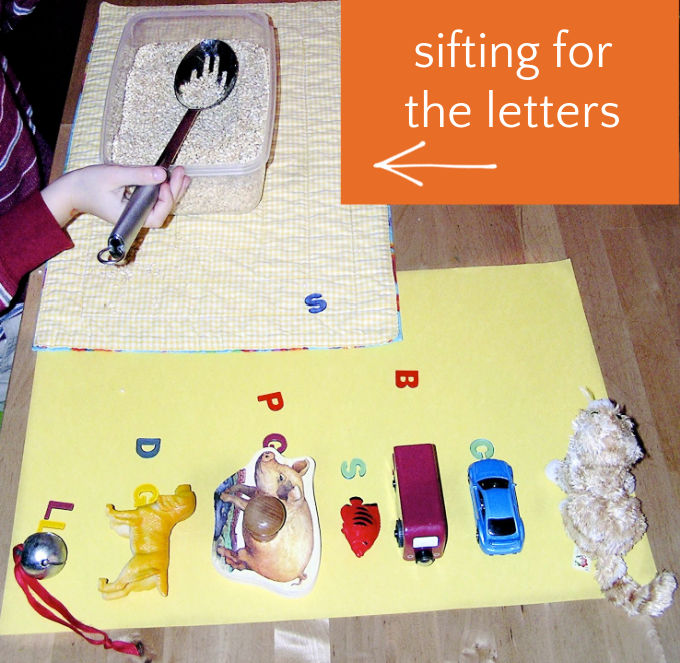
[215,187]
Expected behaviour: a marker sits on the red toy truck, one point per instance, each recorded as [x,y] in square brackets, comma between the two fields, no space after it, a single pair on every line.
[421,527]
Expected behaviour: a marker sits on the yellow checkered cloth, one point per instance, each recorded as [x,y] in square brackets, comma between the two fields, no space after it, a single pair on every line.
[236,282]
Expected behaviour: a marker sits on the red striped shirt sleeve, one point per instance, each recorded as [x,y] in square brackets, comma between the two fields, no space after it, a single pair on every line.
[29,235]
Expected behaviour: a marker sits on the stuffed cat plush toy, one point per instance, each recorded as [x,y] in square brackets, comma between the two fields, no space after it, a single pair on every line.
[600,512]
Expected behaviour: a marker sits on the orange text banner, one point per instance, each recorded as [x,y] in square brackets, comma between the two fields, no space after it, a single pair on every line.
[495,102]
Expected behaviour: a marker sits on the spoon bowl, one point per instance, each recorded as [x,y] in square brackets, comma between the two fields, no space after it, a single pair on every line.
[219,79]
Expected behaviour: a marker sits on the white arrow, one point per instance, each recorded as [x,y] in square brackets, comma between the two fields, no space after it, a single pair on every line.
[389,165]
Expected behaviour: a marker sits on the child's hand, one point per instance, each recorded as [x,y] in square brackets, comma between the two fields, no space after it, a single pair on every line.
[99,190]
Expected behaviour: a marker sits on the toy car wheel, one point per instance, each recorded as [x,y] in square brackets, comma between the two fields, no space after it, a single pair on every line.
[399,533]
[424,556]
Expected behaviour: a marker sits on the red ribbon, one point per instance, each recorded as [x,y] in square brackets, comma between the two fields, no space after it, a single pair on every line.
[31,585]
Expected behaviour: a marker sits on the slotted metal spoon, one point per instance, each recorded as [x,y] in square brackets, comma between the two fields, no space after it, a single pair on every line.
[212,52]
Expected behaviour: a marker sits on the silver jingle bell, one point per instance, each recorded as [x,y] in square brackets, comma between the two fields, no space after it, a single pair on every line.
[44,555]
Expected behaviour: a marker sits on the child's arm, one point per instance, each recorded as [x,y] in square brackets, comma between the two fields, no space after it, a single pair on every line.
[29,236]
[32,232]
[99,190]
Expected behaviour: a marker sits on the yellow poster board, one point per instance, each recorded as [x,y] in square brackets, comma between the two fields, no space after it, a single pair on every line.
[500,353]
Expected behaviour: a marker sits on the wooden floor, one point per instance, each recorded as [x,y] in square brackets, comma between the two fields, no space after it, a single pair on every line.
[627,264]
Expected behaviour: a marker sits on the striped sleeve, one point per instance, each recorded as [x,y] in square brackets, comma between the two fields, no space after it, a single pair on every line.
[20,170]
[29,235]
[16,8]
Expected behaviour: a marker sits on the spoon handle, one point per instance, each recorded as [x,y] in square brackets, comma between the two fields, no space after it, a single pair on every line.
[129,224]
[169,154]
[144,198]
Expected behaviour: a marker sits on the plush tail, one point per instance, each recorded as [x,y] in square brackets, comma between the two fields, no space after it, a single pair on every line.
[651,599]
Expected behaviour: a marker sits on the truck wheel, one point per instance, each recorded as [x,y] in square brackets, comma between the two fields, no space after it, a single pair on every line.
[399,533]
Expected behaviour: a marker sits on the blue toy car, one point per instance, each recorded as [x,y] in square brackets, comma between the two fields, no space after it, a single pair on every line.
[500,530]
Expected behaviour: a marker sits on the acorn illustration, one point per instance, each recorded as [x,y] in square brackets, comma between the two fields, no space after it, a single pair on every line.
[264,516]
